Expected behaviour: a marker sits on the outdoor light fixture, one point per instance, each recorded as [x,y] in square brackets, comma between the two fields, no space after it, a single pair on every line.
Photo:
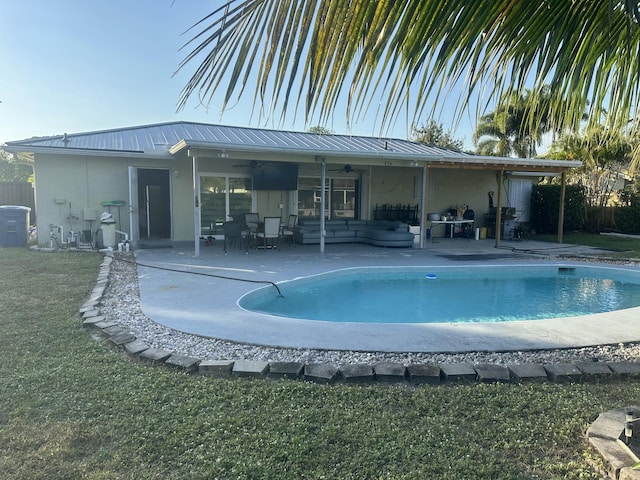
[630,419]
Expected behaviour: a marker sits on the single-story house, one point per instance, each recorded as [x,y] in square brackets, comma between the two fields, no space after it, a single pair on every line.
[180,180]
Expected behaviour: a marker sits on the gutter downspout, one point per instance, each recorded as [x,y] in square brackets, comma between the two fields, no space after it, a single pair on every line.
[323,177]
[196,206]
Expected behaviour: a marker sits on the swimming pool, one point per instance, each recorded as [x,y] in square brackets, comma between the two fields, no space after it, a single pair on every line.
[450,294]
[210,308]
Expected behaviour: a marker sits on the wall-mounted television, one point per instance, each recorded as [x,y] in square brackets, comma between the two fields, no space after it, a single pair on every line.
[275,176]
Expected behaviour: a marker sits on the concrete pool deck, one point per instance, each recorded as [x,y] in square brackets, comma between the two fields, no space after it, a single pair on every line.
[207,306]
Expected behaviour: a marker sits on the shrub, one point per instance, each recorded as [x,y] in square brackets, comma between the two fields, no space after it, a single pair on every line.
[627,213]
[545,200]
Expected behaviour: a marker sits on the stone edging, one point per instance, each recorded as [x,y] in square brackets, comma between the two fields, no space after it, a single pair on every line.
[386,372]
[606,434]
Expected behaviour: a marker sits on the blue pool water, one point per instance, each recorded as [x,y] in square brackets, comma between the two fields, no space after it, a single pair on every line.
[450,294]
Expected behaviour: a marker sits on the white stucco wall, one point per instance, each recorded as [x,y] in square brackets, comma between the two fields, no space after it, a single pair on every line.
[450,188]
[446,189]
[73,184]
[77,183]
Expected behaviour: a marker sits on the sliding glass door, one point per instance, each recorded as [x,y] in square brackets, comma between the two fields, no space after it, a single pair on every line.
[223,198]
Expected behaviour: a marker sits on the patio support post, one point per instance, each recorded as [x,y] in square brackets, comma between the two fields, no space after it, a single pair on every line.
[323,179]
[499,208]
[561,207]
[423,205]
[196,205]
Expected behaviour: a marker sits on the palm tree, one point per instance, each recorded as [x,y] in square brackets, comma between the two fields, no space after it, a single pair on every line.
[509,130]
[494,136]
[319,51]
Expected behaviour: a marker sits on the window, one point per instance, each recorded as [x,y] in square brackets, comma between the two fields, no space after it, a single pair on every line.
[341,198]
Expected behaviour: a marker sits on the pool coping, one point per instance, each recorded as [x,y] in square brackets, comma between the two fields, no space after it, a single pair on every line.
[187,307]
[123,340]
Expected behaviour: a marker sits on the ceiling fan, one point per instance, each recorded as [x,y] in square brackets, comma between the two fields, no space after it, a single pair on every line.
[253,164]
[346,169]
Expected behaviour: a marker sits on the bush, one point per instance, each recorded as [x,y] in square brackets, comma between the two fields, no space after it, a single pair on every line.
[627,214]
[545,200]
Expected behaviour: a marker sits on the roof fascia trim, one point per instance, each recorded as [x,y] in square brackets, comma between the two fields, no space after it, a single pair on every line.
[461,160]
[385,154]
[499,163]
[83,151]
[442,161]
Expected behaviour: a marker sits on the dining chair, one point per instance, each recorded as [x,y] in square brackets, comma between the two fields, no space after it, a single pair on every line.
[233,235]
[271,231]
[251,222]
[287,230]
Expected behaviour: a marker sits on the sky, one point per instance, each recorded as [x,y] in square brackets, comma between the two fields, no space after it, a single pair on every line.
[70,66]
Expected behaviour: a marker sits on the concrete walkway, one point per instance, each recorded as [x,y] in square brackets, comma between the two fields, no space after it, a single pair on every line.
[207,305]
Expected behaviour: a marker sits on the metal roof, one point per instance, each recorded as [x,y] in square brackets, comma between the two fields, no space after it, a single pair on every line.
[169,139]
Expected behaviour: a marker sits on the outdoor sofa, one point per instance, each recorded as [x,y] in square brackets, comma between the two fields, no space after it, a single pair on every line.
[382,233]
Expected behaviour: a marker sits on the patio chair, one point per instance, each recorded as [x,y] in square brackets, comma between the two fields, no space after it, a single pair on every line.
[519,231]
[251,222]
[467,229]
[287,230]
[233,235]
[271,231]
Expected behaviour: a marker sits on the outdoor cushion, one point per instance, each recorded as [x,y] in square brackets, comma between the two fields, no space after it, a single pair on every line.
[382,233]
[343,233]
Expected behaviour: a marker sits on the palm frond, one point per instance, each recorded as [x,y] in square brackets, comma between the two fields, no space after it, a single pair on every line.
[408,55]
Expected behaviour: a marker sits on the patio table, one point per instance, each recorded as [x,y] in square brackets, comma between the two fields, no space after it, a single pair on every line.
[453,223]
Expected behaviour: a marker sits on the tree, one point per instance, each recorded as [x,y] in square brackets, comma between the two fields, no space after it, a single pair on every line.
[606,157]
[10,171]
[508,131]
[405,55]
[320,130]
[433,133]
[496,134]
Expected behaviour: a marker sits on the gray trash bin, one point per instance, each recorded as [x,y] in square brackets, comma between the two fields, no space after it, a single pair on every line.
[14,225]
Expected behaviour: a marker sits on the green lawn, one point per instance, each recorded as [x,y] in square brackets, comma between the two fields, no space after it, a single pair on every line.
[624,247]
[73,408]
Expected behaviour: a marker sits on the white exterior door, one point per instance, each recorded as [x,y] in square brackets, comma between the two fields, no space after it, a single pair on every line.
[520,197]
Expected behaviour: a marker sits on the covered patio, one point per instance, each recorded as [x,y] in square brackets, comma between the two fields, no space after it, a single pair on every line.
[369,160]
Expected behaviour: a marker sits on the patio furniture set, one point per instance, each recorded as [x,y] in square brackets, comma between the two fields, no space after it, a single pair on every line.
[254,233]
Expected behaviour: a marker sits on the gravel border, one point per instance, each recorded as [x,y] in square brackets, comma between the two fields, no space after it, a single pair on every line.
[121,304]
